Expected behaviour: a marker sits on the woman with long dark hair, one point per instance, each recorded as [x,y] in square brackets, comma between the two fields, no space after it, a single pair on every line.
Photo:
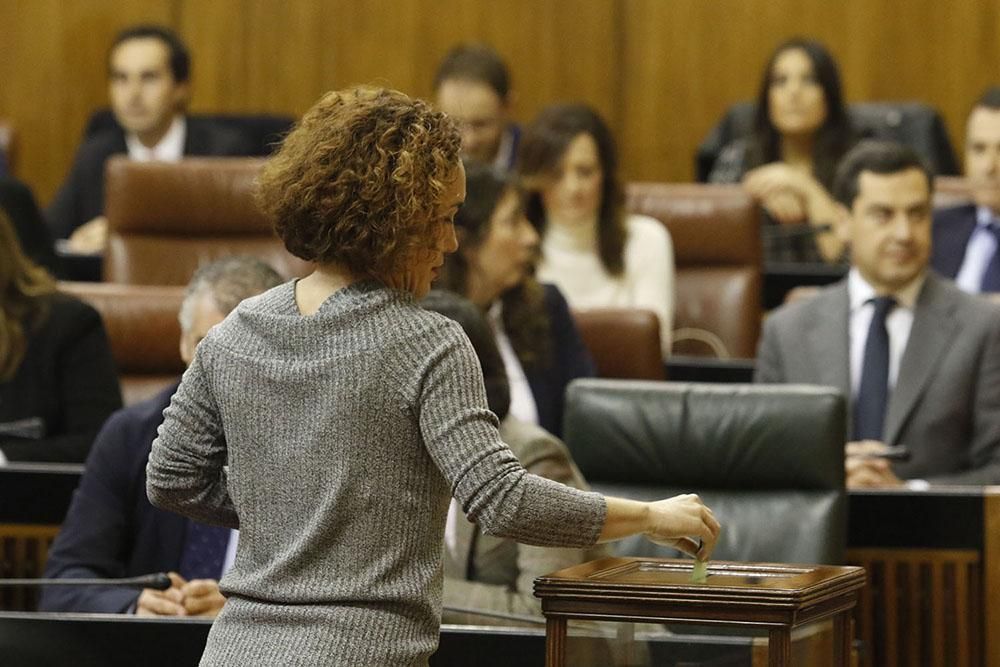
[494,268]
[57,377]
[801,130]
[598,255]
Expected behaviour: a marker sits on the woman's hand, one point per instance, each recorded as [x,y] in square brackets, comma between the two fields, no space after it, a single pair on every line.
[677,521]
[792,196]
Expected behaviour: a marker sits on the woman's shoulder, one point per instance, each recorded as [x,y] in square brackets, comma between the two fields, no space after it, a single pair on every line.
[645,229]
[731,164]
[68,313]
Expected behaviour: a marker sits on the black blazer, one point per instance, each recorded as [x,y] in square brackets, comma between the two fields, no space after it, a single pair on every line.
[81,197]
[950,236]
[67,378]
[110,529]
[19,203]
[570,360]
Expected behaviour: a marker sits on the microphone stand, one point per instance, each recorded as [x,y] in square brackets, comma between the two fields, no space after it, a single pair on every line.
[159,581]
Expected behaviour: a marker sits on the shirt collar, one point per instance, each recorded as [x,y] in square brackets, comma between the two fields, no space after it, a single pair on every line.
[503,162]
[984,216]
[859,291]
[169,149]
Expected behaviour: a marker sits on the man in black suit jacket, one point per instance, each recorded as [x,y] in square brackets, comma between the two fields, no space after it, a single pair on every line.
[111,530]
[149,87]
[966,245]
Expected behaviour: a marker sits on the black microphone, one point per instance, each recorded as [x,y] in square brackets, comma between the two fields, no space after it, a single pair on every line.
[158,581]
[32,428]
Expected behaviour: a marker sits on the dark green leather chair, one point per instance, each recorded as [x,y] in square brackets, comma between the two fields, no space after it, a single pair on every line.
[768,460]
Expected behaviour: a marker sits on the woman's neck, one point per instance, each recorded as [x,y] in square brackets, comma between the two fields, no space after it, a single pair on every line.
[479,291]
[575,232]
[314,289]
[797,150]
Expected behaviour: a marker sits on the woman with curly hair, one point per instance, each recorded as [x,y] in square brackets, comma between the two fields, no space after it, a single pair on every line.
[57,377]
[539,342]
[598,256]
[801,130]
[331,418]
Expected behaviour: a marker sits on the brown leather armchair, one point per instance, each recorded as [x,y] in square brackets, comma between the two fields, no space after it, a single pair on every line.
[716,236]
[624,343]
[143,330]
[167,219]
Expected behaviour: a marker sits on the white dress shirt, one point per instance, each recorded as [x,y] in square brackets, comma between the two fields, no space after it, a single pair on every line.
[522,401]
[898,323]
[169,149]
[978,253]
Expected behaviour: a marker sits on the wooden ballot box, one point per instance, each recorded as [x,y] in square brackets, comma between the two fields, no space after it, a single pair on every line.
[772,597]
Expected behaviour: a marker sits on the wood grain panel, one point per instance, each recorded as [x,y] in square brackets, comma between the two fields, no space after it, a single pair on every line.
[661,72]
[52,75]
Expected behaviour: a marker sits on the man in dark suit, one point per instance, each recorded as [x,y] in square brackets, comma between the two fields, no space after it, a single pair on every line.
[149,87]
[918,358]
[111,530]
[967,238]
[472,85]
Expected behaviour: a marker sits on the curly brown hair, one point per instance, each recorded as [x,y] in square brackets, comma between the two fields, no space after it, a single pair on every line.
[358,179]
[22,306]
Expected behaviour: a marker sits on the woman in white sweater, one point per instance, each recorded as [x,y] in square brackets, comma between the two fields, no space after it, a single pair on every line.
[598,256]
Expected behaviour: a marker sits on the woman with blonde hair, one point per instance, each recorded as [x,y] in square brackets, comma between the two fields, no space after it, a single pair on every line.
[57,377]
[331,418]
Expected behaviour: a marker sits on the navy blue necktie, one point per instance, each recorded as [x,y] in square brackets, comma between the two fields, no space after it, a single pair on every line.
[991,277]
[873,392]
[204,551]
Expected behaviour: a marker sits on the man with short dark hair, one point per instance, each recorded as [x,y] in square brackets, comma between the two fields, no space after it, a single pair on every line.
[149,88]
[918,359]
[967,238]
[472,85]
[110,529]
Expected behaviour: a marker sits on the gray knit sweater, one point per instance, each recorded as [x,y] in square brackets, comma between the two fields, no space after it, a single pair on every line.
[333,442]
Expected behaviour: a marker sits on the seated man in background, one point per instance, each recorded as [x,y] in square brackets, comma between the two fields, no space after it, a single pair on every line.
[967,238]
[491,574]
[149,88]
[472,86]
[110,529]
[918,358]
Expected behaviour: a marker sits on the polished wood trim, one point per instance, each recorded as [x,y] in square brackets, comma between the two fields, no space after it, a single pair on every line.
[779,647]
[24,548]
[991,579]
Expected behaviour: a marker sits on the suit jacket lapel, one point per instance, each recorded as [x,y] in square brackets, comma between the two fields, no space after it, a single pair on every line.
[829,340]
[932,330]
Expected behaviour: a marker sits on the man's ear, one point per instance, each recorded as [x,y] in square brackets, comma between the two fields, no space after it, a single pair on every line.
[182,96]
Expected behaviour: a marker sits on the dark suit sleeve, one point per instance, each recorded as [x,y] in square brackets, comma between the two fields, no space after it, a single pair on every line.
[65,213]
[96,533]
[574,358]
[86,387]
[768,369]
[571,357]
[984,448]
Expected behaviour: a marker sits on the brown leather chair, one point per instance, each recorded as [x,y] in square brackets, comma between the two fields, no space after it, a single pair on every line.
[7,144]
[716,236]
[167,219]
[624,343]
[142,326]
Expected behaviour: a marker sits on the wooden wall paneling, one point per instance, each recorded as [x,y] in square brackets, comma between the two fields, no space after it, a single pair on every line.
[53,75]
[256,56]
